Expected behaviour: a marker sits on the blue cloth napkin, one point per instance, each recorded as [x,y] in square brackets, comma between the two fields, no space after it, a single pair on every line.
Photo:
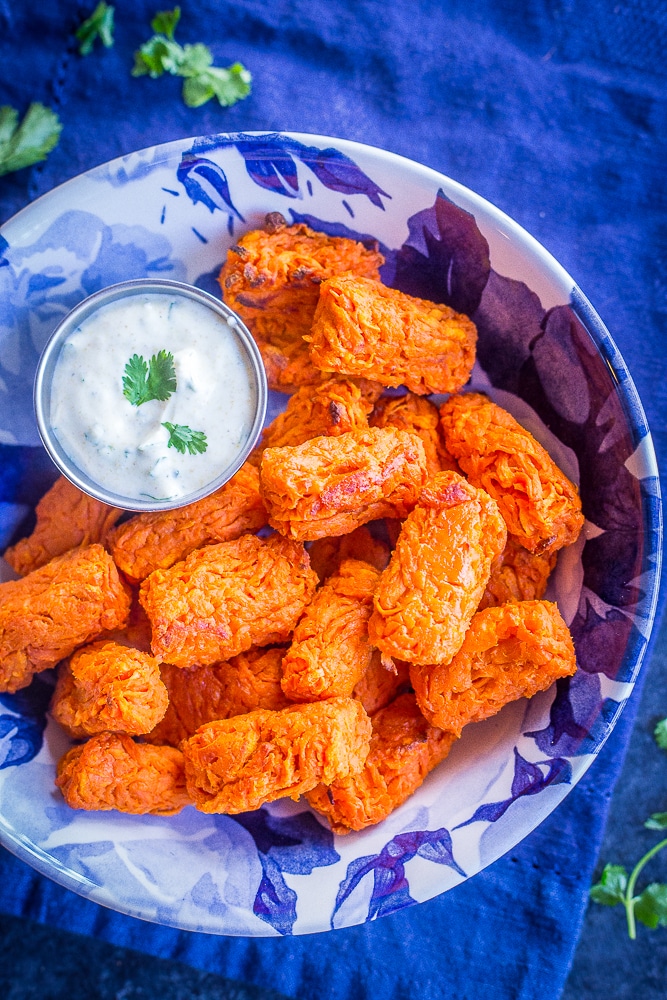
[560,121]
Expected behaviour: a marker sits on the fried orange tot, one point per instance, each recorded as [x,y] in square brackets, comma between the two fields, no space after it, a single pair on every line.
[330,650]
[238,764]
[366,329]
[45,615]
[508,652]
[331,485]
[540,505]
[225,598]
[109,687]
[438,572]
[111,771]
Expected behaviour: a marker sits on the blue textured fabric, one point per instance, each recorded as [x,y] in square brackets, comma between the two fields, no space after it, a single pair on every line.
[558,119]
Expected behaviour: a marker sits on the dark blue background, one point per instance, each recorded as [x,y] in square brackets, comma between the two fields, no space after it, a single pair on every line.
[556,112]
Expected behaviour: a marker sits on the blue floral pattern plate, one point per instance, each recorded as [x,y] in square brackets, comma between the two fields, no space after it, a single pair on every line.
[544,354]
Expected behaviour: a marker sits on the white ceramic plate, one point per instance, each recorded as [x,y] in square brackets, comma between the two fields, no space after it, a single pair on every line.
[172,211]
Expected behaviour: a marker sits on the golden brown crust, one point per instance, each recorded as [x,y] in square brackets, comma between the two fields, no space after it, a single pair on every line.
[326,554]
[517,575]
[404,748]
[109,687]
[438,571]
[364,328]
[508,652]
[331,485]
[330,651]
[67,519]
[238,764]
[271,278]
[332,408]
[540,505]
[45,615]
[420,416]
[158,540]
[111,771]
[225,598]
[199,695]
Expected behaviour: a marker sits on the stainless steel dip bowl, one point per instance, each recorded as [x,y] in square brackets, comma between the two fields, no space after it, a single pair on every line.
[257,386]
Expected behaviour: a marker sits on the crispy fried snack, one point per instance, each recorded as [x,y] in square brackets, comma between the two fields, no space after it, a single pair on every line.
[404,748]
[48,613]
[225,598]
[517,575]
[66,519]
[332,408]
[202,694]
[108,687]
[111,771]
[238,764]
[381,684]
[326,554]
[364,328]
[438,572]
[540,505]
[158,540]
[330,485]
[272,279]
[414,413]
[509,652]
[330,651]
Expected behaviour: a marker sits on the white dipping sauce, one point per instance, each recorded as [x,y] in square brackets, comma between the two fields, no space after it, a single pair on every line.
[124,447]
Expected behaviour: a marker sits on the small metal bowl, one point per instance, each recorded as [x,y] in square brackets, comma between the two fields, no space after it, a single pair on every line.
[233,326]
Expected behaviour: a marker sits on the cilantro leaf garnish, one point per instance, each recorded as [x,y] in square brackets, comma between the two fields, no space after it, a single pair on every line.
[183,438]
[31,141]
[658,821]
[155,380]
[650,906]
[617,887]
[610,890]
[98,25]
[165,21]
[202,80]
[228,85]
[660,734]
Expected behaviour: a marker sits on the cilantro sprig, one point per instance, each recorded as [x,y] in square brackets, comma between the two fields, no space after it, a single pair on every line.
[100,25]
[155,380]
[616,887]
[183,438]
[31,141]
[202,80]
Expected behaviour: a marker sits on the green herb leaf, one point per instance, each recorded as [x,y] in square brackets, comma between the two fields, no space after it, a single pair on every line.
[610,890]
[228,85]
[98,25]
[651,905]
[161,375]
[202,80]
[195,59]
[155,380]
[157,56]
[135,380]
[660,733]
[183,438]
[658,821]
[165,21]
[31,141]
